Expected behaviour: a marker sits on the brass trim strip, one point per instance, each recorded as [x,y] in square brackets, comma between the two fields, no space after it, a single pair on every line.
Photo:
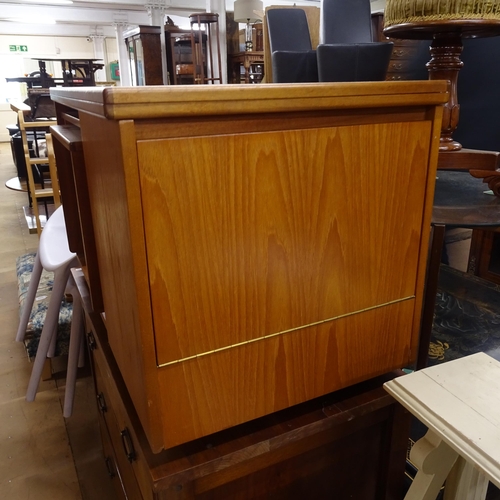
[232,346]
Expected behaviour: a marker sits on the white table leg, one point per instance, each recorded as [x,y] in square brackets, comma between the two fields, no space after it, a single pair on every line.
[434,460]
[465,482]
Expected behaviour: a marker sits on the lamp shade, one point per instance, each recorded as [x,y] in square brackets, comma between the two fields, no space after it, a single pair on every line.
[245,10]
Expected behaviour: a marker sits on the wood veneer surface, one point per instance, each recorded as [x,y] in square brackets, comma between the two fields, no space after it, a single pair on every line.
[218,225]
[262,246]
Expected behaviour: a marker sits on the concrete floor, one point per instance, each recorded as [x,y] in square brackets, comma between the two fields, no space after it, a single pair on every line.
[42,455]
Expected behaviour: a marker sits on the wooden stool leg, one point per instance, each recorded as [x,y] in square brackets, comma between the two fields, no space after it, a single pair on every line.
[465,482]
[434,460]
[431,286]
[47,370]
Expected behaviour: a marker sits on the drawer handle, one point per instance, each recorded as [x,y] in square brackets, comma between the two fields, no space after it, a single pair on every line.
[109,466]
[128,446]
[400,53]
[91,341]
[101,403]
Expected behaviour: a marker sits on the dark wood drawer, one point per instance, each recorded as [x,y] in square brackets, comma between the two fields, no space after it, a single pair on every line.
[394,76]
[122,439]
[399,66]
[403,52]
[111,463]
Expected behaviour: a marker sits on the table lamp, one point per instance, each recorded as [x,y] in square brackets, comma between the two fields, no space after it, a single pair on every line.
[248,11]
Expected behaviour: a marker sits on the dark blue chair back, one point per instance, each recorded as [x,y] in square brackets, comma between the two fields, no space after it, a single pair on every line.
[288,30]
[346,21]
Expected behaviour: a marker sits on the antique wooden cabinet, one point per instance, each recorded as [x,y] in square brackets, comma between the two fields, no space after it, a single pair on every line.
[257,246]
[144,51]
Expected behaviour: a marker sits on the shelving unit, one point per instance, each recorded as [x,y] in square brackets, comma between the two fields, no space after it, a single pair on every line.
[46,187]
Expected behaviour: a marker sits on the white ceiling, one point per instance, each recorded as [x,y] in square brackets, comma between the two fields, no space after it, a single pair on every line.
[87,17]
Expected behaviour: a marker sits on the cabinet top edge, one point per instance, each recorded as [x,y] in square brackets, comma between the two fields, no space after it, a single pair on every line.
[190,100]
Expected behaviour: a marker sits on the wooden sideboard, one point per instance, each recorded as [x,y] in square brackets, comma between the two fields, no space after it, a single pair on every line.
[257,246]
[349,444]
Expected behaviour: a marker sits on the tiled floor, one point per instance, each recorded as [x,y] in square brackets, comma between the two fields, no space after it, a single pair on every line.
[42,455]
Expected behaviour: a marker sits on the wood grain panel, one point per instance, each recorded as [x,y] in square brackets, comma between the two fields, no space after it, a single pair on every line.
[264,245]
[77,209]
[244,240]
[122,103]
[120,249]
[193,126]
[214,392]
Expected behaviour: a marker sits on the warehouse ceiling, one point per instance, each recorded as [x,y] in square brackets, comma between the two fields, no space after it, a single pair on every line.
[87,17]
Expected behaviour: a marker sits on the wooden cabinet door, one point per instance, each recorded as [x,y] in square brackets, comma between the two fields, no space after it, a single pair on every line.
[282,264]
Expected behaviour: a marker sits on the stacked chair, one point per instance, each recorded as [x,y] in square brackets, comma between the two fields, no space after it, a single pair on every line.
[346,52]
[293,59]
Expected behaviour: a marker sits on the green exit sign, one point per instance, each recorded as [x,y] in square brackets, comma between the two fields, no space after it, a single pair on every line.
[18,48]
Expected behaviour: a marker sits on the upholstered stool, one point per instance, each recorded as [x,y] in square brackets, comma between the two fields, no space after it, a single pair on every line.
[445,23]
[210,21]
[459,402]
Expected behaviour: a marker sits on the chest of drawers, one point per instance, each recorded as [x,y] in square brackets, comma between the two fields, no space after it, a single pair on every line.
[350,444]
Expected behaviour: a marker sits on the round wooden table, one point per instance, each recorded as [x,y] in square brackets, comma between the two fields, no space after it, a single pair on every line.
[460,200]
[445,62]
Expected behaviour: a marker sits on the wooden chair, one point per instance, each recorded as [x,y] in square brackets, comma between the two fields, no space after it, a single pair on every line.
[37,191]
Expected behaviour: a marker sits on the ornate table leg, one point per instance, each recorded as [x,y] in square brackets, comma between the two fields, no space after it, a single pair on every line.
[445,64]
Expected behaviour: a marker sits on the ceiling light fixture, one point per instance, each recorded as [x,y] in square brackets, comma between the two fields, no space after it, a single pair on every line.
[50,2]
[30,20]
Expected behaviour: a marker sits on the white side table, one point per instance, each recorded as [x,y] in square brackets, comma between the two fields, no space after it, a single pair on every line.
[459,402]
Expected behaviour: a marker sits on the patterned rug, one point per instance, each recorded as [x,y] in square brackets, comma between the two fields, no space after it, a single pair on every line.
[466,317]
[24,268]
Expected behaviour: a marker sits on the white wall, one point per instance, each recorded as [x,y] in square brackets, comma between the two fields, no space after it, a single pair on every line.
[377,5]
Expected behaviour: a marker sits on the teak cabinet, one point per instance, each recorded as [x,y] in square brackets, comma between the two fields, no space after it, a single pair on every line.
[349,444]
[257,246]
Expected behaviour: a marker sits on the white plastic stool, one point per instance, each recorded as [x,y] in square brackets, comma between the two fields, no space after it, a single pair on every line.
[459,402]
[54,255]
